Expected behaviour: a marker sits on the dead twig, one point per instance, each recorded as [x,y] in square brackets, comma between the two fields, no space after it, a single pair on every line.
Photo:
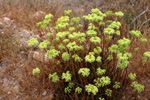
[144,23]
[139,16]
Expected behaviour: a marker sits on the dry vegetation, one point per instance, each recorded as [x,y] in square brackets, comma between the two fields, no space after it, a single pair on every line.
[40,87]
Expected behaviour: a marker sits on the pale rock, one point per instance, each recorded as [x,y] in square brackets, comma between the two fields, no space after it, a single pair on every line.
[38,56]
[38,15]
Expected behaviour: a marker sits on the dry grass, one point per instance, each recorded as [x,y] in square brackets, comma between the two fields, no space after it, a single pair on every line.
[32,87]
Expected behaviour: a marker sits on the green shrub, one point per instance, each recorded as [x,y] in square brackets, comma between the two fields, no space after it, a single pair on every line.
[92,62]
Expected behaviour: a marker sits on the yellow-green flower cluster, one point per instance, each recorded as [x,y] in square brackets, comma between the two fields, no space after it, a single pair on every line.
[48,16]
[117,33]
[109,21]
[73,46]
[132,76]
[108,92]
[117,85]
[108,38]
[35,71]
[97,50]
[44,44]
[55,40]
[119,14]
[109,13]
[62,34]
[80,26]
[113,48]
[54,77]
[68,12]
[90,58]
[101,23]
[101,82]
[92,27]
[65,56]
[135,33]
[110,57]
[81,40]
[142,40]
[45,22]
[147,54]
[91,89]
[115,24]
[62,19]
[123,64]
[97,12]
[65,40]
[61,47]
[67,76]
[124,56]
[78,90]
[49,34]
[52,53]
[77,58]
[32,41]
[62,22]
[109,31]
[96,16]
[81,34]
[98,59]
[100,71]
[95,39]
[84,72]
[136,49]
[137,87]
[123,44]
[91,33]
[101,99]
[74,35]
[71,29]
[75,19]
[67,90]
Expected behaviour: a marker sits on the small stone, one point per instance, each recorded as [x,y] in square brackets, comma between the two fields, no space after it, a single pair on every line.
[44,93]
[4,81]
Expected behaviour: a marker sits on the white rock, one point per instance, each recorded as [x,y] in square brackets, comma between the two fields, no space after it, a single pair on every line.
[38,56]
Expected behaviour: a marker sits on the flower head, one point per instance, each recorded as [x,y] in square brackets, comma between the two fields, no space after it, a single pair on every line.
[98,59]
[135,33]
[100,71]
[49,34]
[147,54]
[119,14]
[117,85]
[44,44]
[91,89]
[61,46]
[108,92]
[91,33]
[67,76]
[52,53]
[68,12]
[132,76]
[95,39]
[36,70]
[109,31]
[142,40]
[89,58]
[137,87]
[84,72]
[54,77]
[65,56]
[78,90]
[32,41]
